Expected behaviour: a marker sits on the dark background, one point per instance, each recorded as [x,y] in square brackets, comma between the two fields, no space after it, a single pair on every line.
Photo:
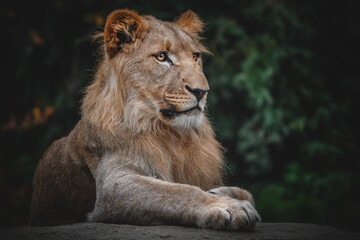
[284,96]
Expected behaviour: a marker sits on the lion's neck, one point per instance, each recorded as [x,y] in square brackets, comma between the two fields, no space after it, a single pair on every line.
[103,103]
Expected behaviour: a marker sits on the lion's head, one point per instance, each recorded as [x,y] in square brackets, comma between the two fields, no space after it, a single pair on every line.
[151,73]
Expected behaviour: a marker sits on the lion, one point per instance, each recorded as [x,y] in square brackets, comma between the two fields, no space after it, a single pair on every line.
[143,151]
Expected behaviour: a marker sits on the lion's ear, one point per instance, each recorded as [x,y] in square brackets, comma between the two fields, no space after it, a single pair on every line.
[122,27]
[190,23]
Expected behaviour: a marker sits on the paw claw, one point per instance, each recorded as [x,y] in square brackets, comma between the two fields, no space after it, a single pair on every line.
[258,218]
[247,216]
[228,221]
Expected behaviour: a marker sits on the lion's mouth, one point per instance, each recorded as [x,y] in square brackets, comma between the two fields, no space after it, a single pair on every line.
[170,112]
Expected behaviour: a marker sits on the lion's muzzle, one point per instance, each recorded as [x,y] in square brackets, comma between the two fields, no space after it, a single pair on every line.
[184,101]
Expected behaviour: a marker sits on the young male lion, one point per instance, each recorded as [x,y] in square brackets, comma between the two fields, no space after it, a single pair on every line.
[143,152]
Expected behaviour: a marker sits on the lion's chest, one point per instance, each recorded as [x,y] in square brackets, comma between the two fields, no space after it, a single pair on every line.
[172,157]
[191,164]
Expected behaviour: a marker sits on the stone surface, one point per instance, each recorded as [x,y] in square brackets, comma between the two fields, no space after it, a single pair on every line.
[102,231]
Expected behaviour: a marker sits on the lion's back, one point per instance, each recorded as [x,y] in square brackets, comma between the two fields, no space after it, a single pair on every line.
[64,191]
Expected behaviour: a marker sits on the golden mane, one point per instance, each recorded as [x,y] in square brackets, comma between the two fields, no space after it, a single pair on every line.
[104,108]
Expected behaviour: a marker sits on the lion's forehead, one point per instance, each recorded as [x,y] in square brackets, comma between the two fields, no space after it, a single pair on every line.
[165,36]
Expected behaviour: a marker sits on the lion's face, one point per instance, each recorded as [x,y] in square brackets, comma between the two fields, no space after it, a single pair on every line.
[172,80]
[164,76]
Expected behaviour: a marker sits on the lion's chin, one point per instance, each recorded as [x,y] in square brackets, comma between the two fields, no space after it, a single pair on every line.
[189,120]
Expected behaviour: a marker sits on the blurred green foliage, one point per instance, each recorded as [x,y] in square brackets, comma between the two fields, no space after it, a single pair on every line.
[284,96]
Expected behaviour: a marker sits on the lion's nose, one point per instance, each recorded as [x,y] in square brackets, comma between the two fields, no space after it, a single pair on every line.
[199,93]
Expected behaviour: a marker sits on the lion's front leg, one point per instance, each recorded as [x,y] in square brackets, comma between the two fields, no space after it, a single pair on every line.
[233,192]
[124,196]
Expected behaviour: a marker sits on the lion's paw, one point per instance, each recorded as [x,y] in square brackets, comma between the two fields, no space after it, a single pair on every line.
[230,214]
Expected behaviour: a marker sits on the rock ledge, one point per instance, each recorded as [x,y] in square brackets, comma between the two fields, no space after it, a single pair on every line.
[102,231]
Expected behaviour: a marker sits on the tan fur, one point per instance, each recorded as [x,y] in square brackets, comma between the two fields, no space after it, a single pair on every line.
[143,151]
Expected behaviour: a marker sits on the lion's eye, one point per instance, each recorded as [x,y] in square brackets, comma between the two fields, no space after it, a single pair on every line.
[162,57]
[196,56]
